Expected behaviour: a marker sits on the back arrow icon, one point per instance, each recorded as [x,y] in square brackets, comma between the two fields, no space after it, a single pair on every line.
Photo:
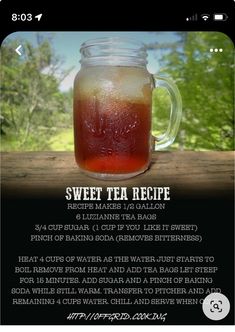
[18,50]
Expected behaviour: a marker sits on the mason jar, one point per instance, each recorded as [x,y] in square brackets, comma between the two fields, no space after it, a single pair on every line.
[113,109]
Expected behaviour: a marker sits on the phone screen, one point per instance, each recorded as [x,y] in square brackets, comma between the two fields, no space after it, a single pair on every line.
[117,164]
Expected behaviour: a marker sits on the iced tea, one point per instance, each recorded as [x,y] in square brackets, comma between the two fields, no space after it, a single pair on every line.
[112,109]
[112,136]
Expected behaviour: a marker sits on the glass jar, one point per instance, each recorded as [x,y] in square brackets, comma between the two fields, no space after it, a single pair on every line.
[113,109]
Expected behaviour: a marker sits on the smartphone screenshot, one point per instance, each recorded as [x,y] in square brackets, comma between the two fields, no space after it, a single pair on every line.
[117,164]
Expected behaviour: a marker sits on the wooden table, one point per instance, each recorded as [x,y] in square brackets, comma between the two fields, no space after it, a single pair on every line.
[49,173]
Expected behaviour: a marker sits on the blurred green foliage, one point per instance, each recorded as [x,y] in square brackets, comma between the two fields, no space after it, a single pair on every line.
[36,115]
[206,84]
[33,109]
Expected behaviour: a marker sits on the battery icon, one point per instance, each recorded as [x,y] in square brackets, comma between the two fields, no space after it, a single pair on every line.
[220,17]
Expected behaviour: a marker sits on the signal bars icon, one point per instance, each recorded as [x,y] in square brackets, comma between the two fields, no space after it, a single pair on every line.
[192,18]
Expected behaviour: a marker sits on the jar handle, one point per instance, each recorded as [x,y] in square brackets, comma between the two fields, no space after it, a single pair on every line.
[168,137]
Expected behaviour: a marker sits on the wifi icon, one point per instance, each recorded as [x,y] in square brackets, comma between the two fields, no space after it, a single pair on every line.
[205,17]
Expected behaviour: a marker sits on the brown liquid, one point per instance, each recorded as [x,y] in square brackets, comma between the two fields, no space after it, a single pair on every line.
[112,136]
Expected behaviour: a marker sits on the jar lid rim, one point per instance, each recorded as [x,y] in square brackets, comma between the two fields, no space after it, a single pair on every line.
[113,50]
[112,40]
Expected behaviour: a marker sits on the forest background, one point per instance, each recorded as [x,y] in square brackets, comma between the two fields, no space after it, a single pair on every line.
[36,115]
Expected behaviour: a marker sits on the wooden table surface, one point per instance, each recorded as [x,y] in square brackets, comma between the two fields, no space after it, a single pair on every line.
[48,173]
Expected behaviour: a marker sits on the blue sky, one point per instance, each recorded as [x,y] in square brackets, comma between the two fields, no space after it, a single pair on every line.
[67,45]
